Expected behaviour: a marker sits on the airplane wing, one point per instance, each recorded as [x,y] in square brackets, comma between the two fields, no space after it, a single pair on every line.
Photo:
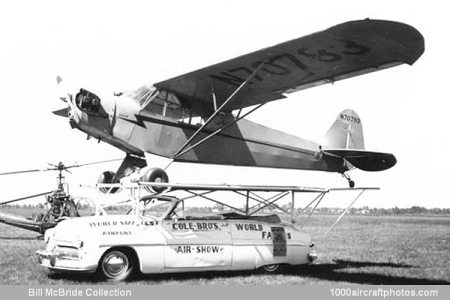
[345,50]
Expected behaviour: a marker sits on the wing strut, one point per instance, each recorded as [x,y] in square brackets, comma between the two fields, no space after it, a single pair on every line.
[319,199]
[216,112]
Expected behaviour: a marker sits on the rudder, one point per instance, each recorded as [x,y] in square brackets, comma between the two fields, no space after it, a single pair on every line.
[345,140]
[345,133]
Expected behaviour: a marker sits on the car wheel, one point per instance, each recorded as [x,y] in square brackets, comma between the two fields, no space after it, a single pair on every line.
[271,268]
[116,265]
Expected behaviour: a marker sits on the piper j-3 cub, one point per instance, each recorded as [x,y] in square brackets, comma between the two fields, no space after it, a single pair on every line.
[198,117]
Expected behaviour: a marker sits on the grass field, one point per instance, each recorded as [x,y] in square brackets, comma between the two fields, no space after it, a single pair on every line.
[360,250]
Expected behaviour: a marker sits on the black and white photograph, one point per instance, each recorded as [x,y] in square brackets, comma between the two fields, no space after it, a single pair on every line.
[212,147]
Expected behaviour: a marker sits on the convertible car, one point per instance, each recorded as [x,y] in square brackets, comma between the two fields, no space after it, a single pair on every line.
[159,236]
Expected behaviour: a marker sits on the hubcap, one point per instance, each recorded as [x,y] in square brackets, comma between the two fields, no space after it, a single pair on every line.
[271,268]
[115,264]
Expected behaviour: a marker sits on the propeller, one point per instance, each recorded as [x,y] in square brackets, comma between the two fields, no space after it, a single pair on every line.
[62,94]
[65,96]
[59,167]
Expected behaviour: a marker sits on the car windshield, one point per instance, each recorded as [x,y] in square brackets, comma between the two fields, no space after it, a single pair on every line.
[155,208]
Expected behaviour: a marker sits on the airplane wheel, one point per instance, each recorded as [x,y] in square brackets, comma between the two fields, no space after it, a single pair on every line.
[107,177]
[155,175]
[271,268]
[351,183]
[116,265]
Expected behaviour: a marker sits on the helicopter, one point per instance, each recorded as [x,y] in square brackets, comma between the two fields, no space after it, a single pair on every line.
[60,204]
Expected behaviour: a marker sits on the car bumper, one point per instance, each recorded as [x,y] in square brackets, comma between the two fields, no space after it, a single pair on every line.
[63,264]
[312,256]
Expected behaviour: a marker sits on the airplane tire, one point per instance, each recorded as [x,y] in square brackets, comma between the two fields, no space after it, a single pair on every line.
[155,175]
[107,177]
[116,265]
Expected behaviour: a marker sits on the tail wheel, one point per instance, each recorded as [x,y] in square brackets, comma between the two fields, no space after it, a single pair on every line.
[116,265]
[107,177]
[156,175]
[271,268]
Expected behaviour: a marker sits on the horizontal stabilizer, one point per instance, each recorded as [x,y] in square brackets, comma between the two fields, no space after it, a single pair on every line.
[364,160]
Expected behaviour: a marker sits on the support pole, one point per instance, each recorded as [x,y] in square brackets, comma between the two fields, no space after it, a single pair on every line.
[320,197]
[292,207]
[268,202]
[246,203]
[215,201]
[260,200]
[345,211]
[276,199]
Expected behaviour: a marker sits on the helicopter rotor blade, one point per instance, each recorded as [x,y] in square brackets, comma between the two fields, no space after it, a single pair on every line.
[92,163]
[24,198]
[19,172]
[60,166]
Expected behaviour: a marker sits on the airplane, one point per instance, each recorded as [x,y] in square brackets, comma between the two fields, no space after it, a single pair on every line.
[199,117]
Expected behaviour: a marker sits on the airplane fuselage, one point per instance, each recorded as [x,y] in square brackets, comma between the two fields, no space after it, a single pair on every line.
[137,130]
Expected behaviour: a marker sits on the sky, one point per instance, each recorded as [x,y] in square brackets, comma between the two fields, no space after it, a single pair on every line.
[110,46]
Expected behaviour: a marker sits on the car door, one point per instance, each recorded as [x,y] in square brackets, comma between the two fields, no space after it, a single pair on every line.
[197,243]
[257,244]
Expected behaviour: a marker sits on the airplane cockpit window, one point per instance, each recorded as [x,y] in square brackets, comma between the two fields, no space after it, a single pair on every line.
[166,104]
[89,103]
[142,95]
[163,103]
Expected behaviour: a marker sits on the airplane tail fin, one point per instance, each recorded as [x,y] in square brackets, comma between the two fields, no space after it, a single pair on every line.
[345,139]
[346,132]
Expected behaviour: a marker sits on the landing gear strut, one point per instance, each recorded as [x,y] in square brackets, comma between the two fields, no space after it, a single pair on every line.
[351,183]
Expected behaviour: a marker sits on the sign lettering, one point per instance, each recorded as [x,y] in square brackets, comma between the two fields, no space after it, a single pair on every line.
[202,226]
[200,249]
[350,118]
[249,227]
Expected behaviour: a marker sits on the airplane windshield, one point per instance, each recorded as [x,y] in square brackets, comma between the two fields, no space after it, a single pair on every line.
[142,95]
[163,103]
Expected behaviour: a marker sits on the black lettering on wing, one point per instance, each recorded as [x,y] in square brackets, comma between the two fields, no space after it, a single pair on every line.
[354,48]
[247,71]
[272,68]
[320,55]
[280,65]
[228,78]
[291,59]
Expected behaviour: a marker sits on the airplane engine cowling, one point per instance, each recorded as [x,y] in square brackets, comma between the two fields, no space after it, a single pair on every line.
[107,177]
[155,175]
